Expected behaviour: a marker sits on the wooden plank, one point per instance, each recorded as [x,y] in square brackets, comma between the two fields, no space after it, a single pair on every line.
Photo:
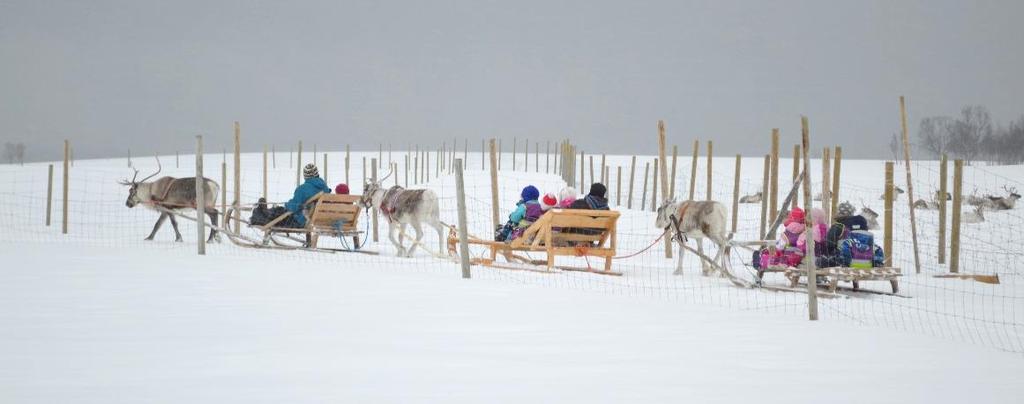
[989,279]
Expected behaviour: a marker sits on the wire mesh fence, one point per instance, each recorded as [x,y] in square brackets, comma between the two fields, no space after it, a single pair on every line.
[962,310]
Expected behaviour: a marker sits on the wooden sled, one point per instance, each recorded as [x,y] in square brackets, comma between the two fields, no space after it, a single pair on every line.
[559,232]
[324,210]
[844,274]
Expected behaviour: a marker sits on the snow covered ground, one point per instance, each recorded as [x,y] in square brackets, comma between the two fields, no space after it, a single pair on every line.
[99,315]
[102,325]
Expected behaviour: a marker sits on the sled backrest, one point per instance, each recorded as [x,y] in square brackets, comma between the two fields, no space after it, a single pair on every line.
[562,226]
[330,208]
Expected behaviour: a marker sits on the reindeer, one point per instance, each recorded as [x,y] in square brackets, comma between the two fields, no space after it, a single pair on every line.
[871,217]
[755,198]
[403,207]
[977,216]
[1004,202]
[697,219]
[171,194]
[895,194]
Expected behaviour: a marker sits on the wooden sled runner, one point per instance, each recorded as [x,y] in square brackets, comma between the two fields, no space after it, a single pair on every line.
[325,211]
[559,232]
[843,274]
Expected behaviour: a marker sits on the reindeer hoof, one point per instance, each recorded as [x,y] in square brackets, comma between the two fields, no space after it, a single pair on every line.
[178,240]
[148,239]
[401,253]
[678,271]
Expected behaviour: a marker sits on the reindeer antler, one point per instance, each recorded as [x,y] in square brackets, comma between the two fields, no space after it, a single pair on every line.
[391,170]
[126,182]
[158,169]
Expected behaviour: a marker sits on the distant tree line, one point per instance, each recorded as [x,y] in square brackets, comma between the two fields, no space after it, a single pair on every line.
[14,152]
[972,136]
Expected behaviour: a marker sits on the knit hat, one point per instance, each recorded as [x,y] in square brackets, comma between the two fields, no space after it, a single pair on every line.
[549,201]
[845,209]
[310,171]
[796,215]
[598,189]
[341,189]
[530,193]
[567,193]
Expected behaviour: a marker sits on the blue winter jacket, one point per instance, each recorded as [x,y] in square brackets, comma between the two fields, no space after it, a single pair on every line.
[858,250]
[307,190]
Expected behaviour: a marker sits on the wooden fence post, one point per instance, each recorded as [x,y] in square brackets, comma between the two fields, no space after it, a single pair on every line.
[812,276]
[495,207]
[406,165]
[273,157]
[238,177]
[347,162]
[910,184]
[796,171]
[583,180]
[773,192]
[460,197]
[380,159]
[176,160]
[643,196]
[363,184]
[547,158]
[325,169]
[224,193]
[632,175]
[888,214]
[49,193]
[941,199]
[129,158]
[736,195]
[618,186]
[826,188]
[710,154]
[836,166]
[373,178]
[67,160]
[672,181]
[604,167]
[201,196]
[264,174]
[693,169]
[765,179]
[954,236]
[654,187]
[664,179]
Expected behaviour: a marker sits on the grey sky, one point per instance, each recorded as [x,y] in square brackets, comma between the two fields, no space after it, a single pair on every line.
[150,75]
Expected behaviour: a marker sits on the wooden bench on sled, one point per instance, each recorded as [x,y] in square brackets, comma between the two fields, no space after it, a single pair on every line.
[327,209]
[592,234]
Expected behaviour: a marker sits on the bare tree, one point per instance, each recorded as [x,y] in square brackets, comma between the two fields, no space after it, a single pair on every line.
[19,151]
[934,134]
[10,151]
[894,148]
[972,126]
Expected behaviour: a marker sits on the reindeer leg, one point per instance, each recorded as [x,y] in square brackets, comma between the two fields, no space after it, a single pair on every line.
[436,224]
[174,224]
[419,236]
[704,268]
[159,222]
[214,235]
[679,262]
[392,229]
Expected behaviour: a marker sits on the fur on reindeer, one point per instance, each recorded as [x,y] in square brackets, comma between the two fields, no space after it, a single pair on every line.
[697,220]
[403,207]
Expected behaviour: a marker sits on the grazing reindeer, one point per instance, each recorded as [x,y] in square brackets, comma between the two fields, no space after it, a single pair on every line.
[1005,202]
[871,217]
[403,207]
[755,198]
[895,194]
[977,216]
[697,219]
[172,194]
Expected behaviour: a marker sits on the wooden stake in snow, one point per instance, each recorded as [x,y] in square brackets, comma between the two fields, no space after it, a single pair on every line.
[941,199]
[67,160]
[632,176]
[773,193]
[460,196]
[238,177]
[49,193]
[812,277]
[495,216]
[954,235]
[887,212]
[910,184]
[201,197]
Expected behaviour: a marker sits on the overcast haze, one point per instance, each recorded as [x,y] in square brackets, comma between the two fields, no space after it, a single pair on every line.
[149,76]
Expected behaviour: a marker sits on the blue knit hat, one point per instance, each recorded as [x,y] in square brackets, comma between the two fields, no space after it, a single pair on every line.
[530,193]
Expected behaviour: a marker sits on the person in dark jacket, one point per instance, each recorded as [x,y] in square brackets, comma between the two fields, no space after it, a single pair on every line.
[846,219]
[309,188]
[595,200]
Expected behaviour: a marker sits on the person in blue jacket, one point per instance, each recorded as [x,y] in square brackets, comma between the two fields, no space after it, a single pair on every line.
[309,188]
